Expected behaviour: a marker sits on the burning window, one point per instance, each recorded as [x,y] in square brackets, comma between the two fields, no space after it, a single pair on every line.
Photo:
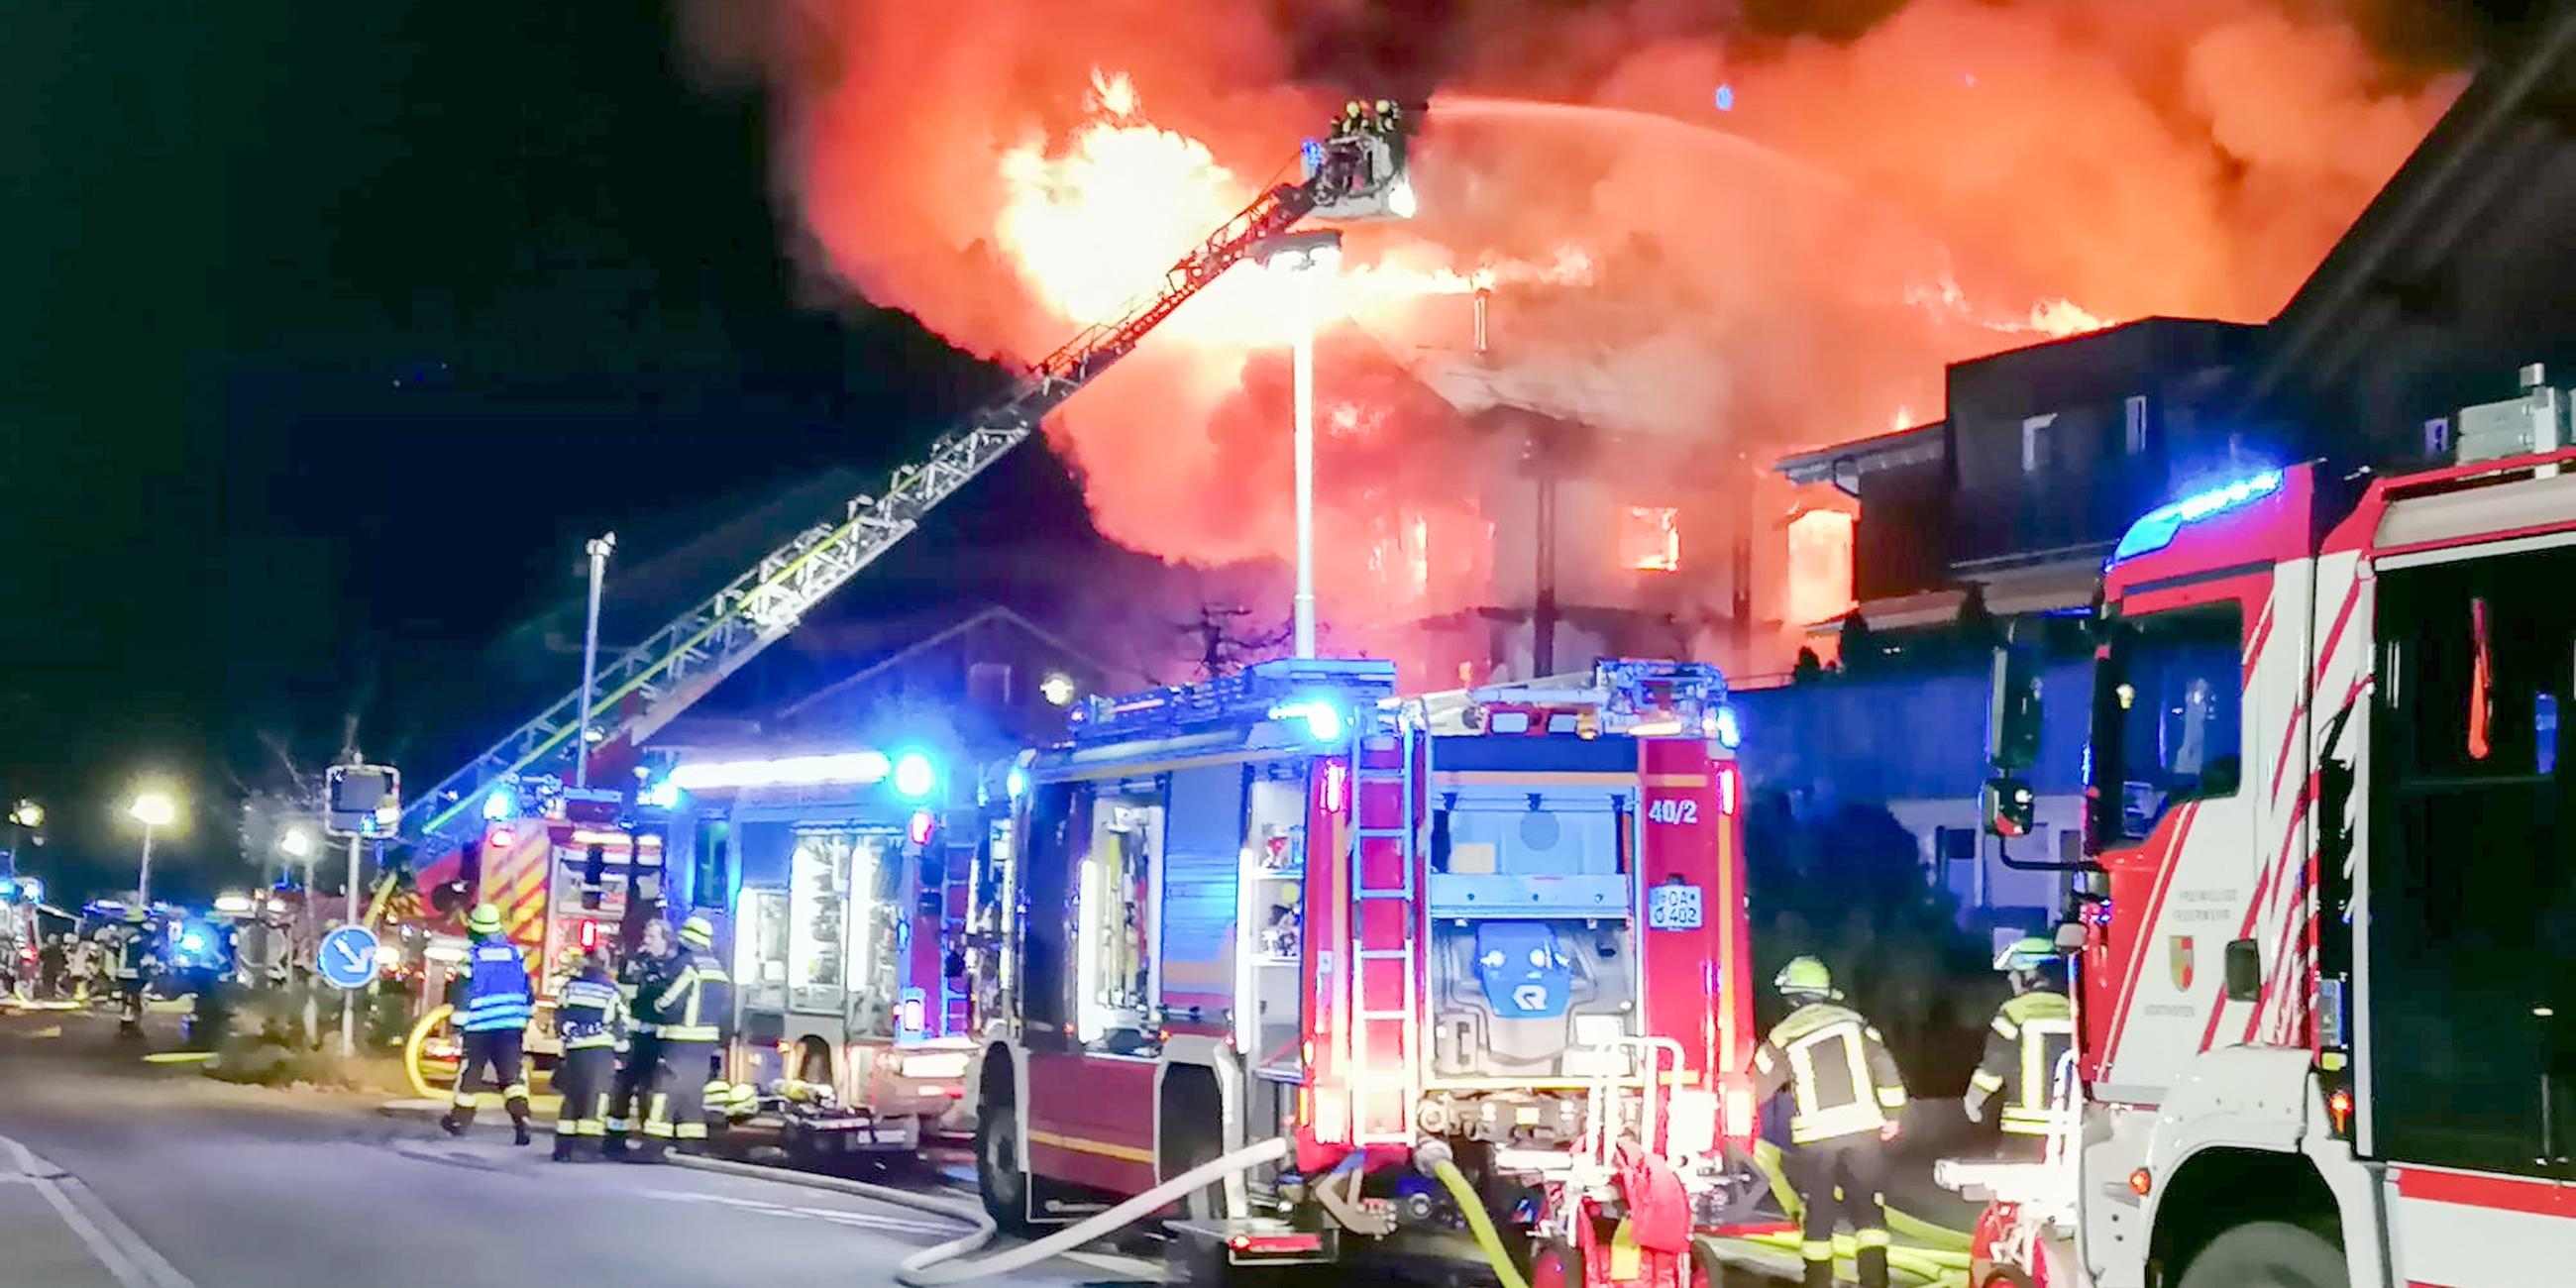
[1650,538]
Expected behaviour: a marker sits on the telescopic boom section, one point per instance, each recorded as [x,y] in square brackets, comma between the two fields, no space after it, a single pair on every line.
[649,685]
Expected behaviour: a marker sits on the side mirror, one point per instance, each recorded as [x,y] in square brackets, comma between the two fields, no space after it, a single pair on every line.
[2071,937]
[2010,806]
[2012,711]
[2244,971]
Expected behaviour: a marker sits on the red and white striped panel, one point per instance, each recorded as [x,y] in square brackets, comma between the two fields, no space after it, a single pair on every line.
[2454,1229]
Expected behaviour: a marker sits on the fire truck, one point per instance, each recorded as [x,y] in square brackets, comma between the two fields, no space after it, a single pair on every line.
[572,871]
[2321,931]
[1479,937]
[840,882]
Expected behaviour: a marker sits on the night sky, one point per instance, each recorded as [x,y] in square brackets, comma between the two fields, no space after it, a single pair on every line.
[328,332]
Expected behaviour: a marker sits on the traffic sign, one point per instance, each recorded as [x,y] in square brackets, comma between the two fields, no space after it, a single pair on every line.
[364,800]
[347,957]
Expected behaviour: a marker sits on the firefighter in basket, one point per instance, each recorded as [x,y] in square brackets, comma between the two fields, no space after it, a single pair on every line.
[492,1017]
[2032,1030]
[1847,1103]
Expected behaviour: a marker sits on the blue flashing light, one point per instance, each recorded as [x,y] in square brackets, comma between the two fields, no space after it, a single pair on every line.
[1310,153]
[915,777]
[1017,782]
[2157,529]
[1730,734]
[500,804]
[1323,719]
[192,940]
[662,794]
[1726,98]
[8,889]
[31,889]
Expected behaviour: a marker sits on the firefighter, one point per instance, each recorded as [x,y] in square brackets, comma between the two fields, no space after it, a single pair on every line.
[587,1014]
[2032,1030]
[1847,1098]
[493,1017]
[132,953]
[1354,120]
[640,982]
[695,1011]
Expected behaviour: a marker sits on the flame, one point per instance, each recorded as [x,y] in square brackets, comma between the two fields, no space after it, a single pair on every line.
[1090,225]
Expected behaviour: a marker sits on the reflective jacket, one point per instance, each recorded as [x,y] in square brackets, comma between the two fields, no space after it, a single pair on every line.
[640,982]
[697,1004]
[1835,1066]
[2023,1046]
[134,953]
[497,994]
[587,1011]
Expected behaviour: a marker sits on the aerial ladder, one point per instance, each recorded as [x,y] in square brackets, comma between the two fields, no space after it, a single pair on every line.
[1358,172]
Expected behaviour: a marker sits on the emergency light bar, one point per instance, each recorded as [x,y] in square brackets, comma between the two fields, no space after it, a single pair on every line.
[859,767]
[1278,689]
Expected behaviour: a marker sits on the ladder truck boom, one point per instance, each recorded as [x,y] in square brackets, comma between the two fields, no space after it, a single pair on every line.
[647,686]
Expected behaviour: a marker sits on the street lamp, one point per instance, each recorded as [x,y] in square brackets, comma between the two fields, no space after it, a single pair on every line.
[152,808]
[598,548]
[26,816]
[297,845]
[1305,260]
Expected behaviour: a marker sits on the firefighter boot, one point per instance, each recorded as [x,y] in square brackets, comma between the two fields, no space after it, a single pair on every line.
[1820,1266]
[519,1120]
[1873,1265]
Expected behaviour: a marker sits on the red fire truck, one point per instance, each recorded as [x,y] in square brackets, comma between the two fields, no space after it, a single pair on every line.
[1407,935]
[837,881]
[2323,931]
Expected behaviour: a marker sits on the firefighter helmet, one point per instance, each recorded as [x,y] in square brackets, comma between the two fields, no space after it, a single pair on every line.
[484,920]
[1804,977]
[2029,952]
[698,932]
[135,917]
[1386,107]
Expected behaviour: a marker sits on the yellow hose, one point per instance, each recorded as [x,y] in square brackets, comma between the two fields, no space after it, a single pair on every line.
[1481,1225]
[412,1049]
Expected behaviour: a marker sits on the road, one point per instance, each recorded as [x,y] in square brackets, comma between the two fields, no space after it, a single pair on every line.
[115,1173]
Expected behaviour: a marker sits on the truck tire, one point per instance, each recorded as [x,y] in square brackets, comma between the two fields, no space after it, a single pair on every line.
[999,1182]
[2267,1254]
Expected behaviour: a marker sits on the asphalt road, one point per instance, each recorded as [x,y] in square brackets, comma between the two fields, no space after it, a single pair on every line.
[119,1174]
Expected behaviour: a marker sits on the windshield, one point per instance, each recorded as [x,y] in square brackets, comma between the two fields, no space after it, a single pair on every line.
[2167,719]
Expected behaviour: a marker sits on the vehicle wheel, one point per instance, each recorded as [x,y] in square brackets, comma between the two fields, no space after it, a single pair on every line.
[998,1178]
[2267,1254]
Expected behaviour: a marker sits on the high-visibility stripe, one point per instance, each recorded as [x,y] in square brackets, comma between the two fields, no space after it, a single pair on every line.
[567,1127]
[691,1131]
[1872,1238]
[1105,1149]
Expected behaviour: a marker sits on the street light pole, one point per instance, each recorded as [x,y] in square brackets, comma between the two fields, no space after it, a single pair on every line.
[598,549]
[152,808]
[143,876]
[349,997]
[1304,259]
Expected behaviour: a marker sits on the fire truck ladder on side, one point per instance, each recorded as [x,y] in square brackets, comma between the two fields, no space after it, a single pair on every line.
[649,685]
[1385,974]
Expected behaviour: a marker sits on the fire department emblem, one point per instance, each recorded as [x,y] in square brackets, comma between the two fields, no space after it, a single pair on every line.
[2178,955]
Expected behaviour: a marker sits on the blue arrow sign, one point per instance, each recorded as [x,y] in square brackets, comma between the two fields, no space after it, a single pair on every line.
[347,957]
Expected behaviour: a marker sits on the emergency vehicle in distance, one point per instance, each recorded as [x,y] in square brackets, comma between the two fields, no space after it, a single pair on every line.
[2324,1019]
[844,896]
[1395,931]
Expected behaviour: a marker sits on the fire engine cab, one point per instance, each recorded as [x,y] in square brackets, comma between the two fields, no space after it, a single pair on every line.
[2325,1030]
[1487,934]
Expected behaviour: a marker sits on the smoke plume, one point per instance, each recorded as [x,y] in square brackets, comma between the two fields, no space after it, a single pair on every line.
[1726,238]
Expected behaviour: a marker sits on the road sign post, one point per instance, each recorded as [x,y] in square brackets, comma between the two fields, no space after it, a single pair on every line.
[363,801]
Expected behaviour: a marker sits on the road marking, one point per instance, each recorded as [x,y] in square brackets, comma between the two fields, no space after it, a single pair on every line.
[119,1250]
[838,1216]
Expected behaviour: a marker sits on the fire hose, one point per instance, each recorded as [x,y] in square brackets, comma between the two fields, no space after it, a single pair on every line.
[1434,1155]
[916,1270]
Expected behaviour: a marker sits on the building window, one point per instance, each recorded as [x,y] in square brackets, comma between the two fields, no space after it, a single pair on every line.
[988,684]
[2134,425]
[2034,442]
[1650,538]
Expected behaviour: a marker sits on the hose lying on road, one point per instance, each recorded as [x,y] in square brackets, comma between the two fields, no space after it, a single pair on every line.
[917,1271]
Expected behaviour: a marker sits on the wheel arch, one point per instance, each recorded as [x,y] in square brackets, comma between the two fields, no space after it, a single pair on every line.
[2217,1189]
